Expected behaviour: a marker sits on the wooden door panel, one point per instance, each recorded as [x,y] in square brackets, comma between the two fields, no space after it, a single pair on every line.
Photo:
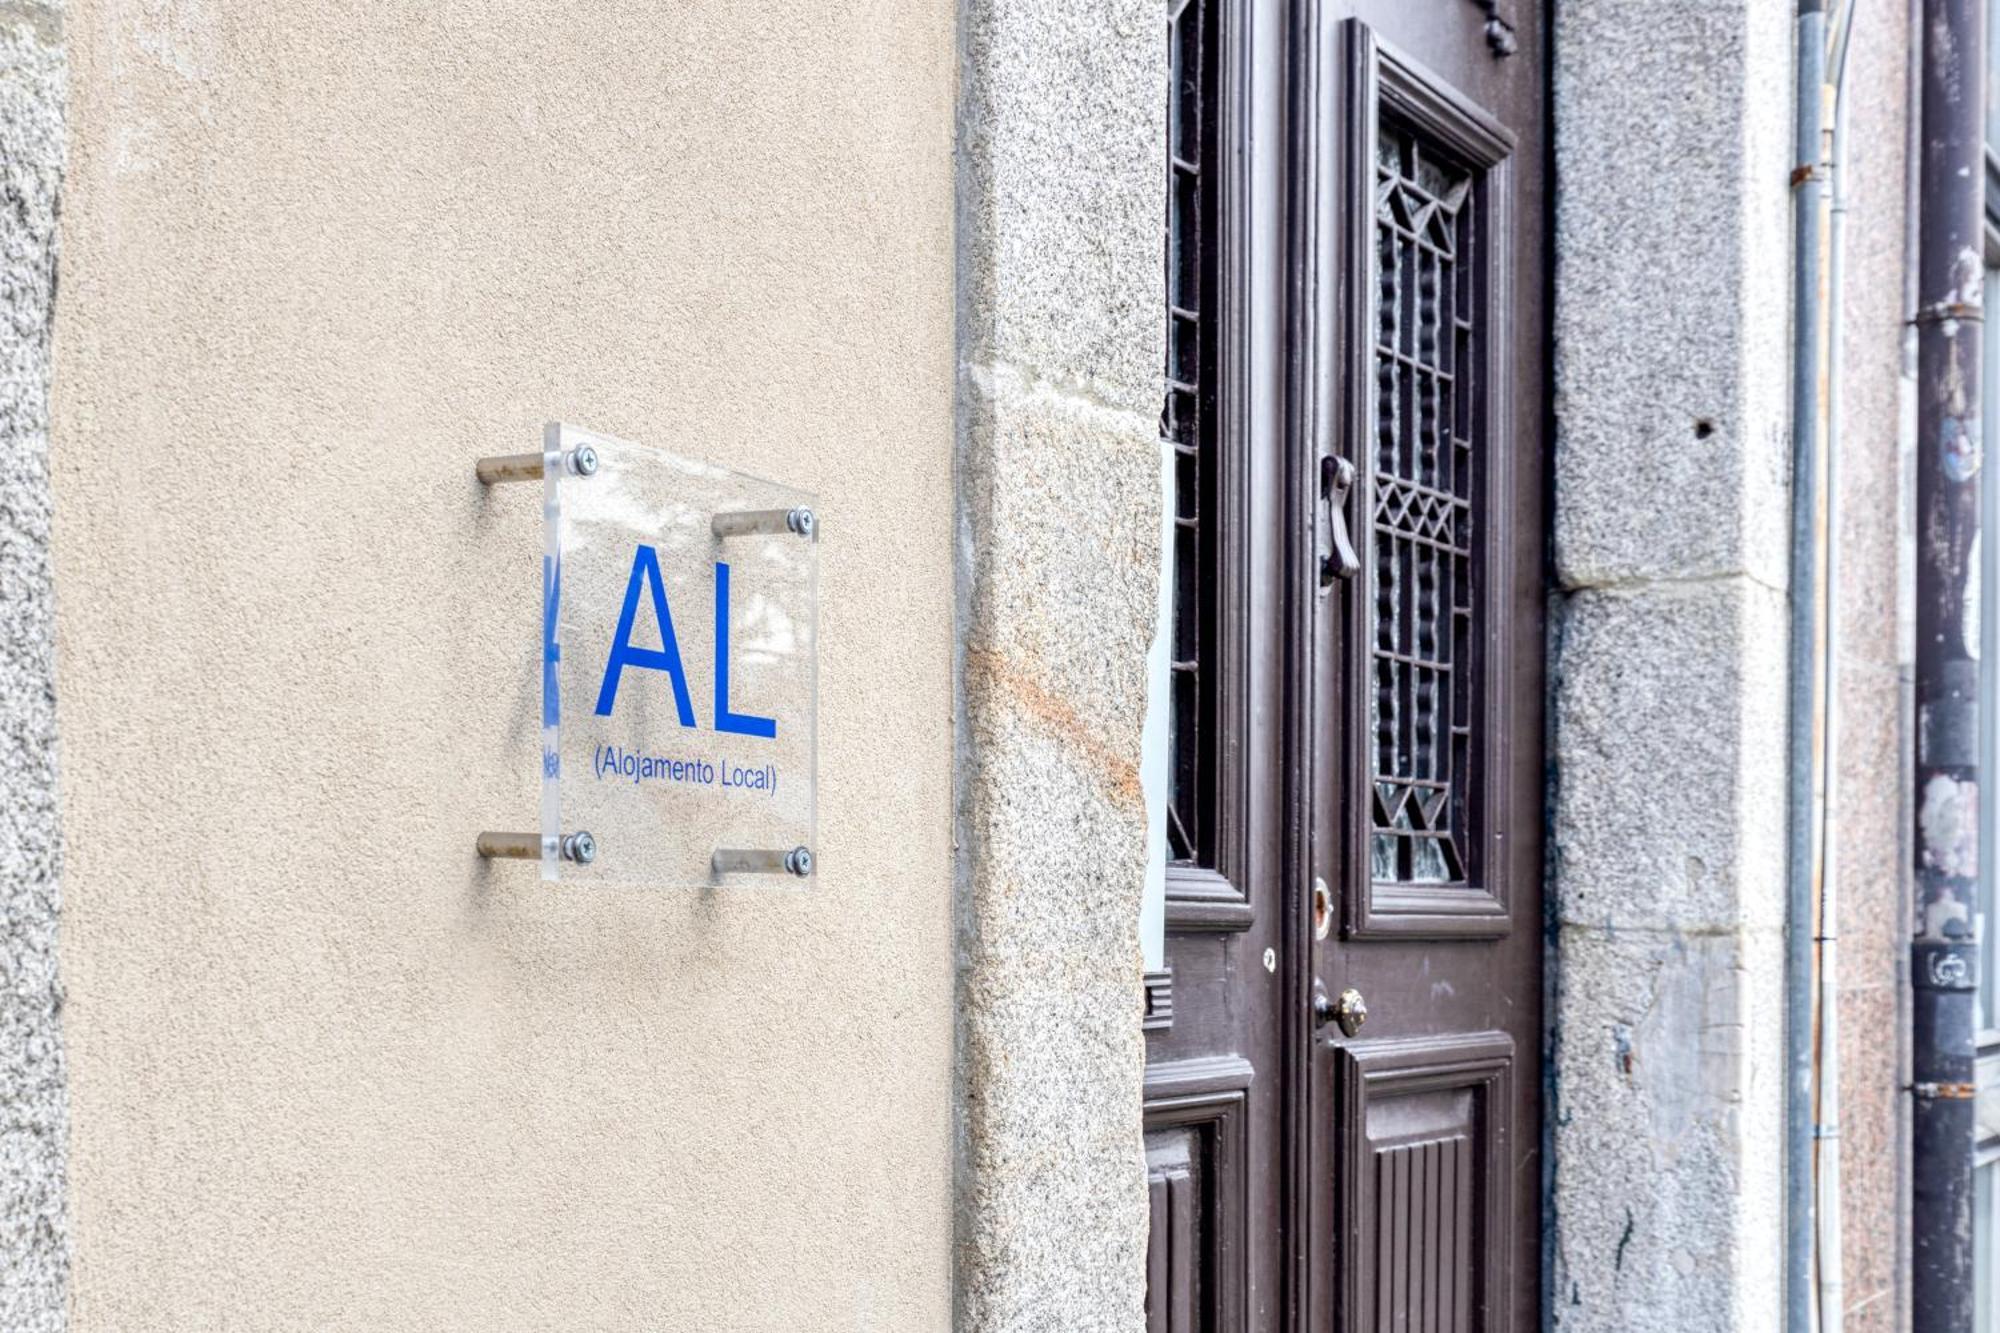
[1422,1236]
[1175,1241]
[1218,1010]
[1355,263]
[1421,149]
[1423,1182]
[1197,1163]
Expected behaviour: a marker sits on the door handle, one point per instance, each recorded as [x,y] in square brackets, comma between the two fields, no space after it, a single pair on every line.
[1350,1011]
[1337,559]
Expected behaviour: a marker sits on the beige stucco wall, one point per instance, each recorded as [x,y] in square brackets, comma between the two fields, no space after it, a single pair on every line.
[328,1070]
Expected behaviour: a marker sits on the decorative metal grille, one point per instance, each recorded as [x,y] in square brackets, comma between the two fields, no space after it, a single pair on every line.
[1422,618]
[1187,426]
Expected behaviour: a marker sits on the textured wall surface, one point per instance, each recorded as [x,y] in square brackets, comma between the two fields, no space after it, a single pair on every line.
[34,1252]
[1667,849]
[1874,751]
[328,1070]
[1062,130]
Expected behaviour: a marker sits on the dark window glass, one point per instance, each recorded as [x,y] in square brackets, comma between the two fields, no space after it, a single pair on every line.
[1187,427]
[1425,612]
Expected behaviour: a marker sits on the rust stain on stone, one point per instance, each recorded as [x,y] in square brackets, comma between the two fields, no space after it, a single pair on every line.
[1058,716]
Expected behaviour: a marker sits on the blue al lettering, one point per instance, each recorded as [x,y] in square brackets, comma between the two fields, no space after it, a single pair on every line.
[551,649]
[645,577]
[667,657]
[742,724]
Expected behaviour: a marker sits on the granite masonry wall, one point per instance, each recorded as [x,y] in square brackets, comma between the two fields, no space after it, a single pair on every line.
[1061,133]
[34,1093]
[1667,834]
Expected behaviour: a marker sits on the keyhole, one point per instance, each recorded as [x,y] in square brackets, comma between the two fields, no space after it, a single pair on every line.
[1322,909]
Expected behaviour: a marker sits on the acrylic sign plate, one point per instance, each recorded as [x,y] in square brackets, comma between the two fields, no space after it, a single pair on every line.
[679,676]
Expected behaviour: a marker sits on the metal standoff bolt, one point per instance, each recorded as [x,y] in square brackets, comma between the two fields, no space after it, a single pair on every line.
[579,847]
[799,521]
[761,861]
[511,846]
[578,462]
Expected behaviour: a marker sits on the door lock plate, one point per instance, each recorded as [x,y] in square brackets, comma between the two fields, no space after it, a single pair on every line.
[1322,909]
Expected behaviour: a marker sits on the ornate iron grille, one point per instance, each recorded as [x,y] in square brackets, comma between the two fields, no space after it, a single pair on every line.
[1422,615]
[1187,427]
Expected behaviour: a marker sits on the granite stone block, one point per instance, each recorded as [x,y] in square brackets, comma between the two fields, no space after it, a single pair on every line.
[1665,1206]
[1062,133]
[1671,398]
[34,1117]
[1052,829]
[1669,747]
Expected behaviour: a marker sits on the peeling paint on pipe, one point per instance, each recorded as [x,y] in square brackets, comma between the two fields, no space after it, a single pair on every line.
[1948,826]
[1944,972]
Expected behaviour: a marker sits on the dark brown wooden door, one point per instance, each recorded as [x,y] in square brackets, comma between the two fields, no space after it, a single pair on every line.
[1423,417]
[1222,1041]
[1355,360]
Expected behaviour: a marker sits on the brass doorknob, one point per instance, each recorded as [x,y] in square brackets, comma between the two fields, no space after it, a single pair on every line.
[1350,1011]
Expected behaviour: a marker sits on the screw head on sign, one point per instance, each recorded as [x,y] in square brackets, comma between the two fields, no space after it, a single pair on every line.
[799,861]
[801,521]
[580,848]
[583,460]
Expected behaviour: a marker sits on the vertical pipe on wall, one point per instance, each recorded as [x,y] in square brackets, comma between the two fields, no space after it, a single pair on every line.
[1801,739]
[1906,616]
[1831,1301]
[1944,951]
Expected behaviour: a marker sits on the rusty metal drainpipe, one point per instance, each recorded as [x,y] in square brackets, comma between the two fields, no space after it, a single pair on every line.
[1944,954]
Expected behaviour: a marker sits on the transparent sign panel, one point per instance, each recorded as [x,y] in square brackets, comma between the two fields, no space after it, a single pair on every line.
[679,665]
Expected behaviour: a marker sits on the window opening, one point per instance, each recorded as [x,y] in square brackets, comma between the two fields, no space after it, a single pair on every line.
[1422,617]
[1187,425]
